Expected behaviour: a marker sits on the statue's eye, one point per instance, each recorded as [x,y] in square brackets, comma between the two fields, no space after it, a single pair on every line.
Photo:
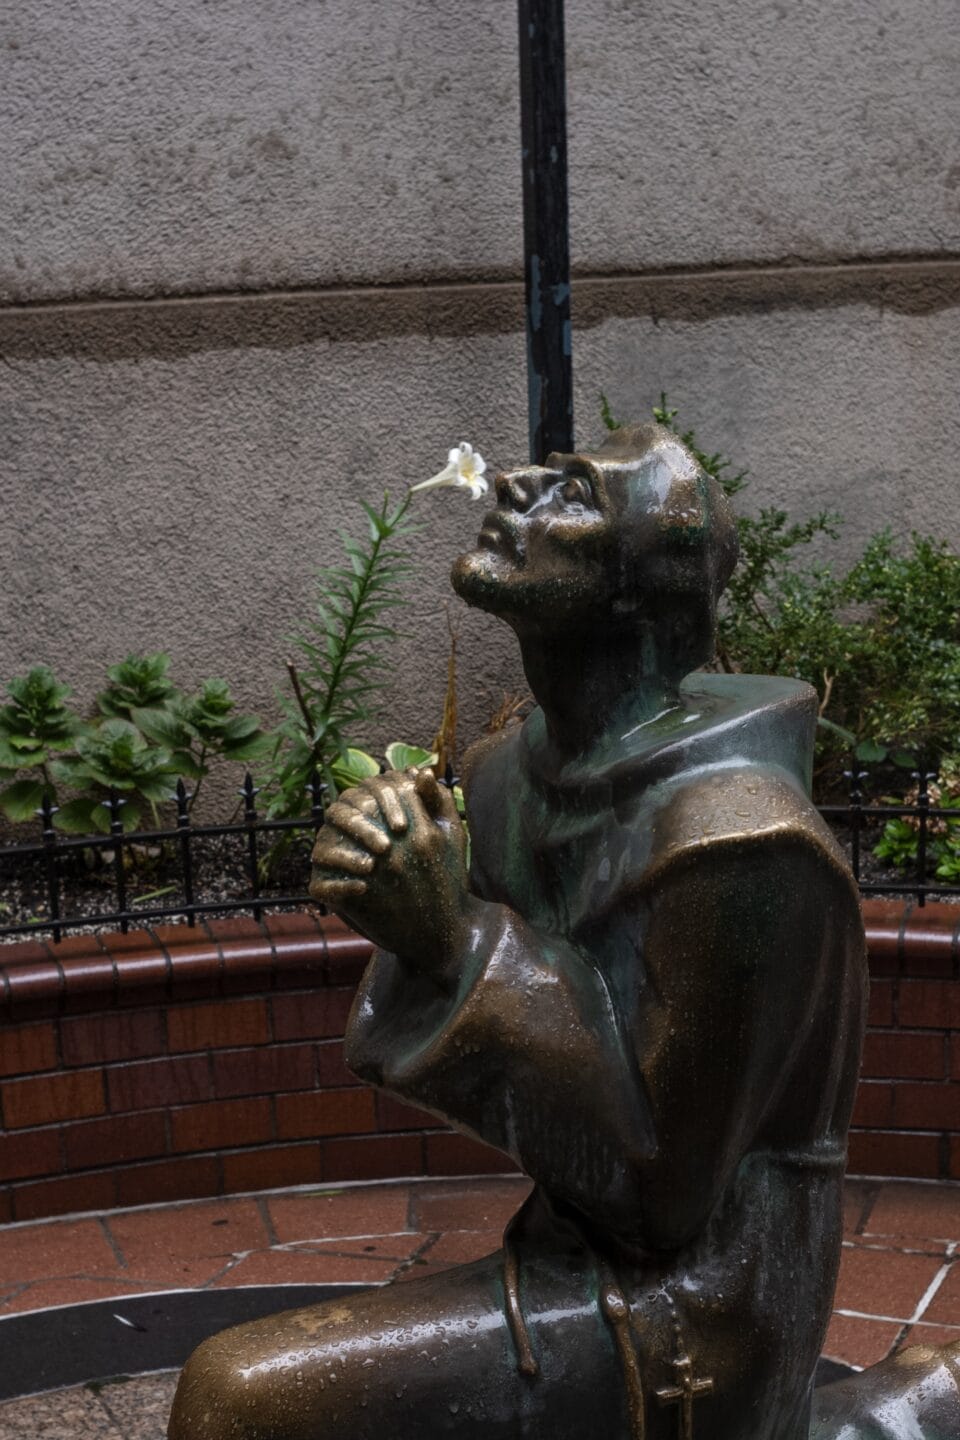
[575,491]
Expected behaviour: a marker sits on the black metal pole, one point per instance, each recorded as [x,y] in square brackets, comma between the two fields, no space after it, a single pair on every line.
[546,238]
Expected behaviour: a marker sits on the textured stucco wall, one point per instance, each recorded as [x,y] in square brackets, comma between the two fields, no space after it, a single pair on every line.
[178,147]
[260,260]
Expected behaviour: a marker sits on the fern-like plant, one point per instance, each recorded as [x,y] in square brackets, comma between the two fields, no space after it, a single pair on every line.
[343,655]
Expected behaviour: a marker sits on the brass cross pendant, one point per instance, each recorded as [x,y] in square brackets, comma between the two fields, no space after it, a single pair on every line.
[684,1393]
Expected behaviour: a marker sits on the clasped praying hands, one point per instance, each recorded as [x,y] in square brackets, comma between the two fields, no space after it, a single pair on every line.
[391,861]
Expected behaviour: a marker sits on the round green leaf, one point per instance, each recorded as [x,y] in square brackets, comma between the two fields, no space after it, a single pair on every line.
[74,818]
[399,755]
[22,799]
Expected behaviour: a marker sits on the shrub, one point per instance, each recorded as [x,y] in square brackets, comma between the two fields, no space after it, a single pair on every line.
[144,735]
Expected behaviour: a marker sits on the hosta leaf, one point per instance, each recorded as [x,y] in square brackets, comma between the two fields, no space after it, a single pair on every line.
[400,755]
[352,767]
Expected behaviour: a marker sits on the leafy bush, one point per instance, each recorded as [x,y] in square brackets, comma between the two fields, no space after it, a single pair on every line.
[113,758]
[881,644]
[144,736]
[35,725]
[202,726]
[900,841]
[139,682]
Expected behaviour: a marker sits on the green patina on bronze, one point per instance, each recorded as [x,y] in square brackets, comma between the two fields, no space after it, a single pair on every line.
[649,990]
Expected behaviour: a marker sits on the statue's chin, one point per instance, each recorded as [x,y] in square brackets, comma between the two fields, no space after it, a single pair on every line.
[479,577]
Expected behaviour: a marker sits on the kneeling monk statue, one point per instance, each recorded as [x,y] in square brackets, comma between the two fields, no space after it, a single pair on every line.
[648,990]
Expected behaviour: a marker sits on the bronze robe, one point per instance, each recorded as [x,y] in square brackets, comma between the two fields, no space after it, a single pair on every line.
[660,1019]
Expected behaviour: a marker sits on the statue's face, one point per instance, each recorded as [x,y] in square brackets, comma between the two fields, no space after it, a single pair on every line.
[545,549]
[600,537]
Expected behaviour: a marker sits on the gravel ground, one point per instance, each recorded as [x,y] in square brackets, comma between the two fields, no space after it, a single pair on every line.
[221,871]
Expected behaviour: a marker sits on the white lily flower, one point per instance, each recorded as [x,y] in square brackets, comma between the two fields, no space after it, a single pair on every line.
[464,469]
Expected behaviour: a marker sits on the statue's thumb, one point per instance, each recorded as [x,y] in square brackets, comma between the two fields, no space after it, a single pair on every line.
[431,793]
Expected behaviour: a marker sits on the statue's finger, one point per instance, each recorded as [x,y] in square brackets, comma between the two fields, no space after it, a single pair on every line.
[438,799]
[344,857]
[360,800]
[429,789]
[390,806]
[359,828]
[333,892]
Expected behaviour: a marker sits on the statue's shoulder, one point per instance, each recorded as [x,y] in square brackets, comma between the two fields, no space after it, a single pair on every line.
[731,807]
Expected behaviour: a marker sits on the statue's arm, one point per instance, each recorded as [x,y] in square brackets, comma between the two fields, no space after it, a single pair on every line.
[465,1007]
[526,1050]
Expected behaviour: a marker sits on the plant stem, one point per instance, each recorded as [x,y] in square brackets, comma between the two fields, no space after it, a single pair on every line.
[200,767]
[298,692]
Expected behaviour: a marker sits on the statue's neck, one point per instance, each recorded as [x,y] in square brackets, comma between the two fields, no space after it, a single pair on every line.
[591,683]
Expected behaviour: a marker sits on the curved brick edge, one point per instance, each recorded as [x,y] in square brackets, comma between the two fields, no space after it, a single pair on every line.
[910,939]
[226,957]
[212,958]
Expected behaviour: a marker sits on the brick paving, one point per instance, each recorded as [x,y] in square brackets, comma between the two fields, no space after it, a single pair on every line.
[899,1276]
[899,1270]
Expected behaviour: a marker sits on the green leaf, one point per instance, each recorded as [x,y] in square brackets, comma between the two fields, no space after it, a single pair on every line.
[183,763]
[869,750]
[10,759]
[847,735]
[74,818]
[160,791]
[242,728]
[399,755]
[352,767]
[129,818]
[162,726]
[607,416]
[22,799]
[28,746]
[71,770]
[253,749]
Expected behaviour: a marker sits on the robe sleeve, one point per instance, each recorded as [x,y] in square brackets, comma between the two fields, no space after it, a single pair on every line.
[526,1053]
[635,1102]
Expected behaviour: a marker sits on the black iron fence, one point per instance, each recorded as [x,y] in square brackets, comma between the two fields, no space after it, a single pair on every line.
[112,852]
[54,856]
[932,824]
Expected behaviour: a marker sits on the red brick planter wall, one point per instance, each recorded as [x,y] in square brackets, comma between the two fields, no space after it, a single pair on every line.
[178,1062]
[907,1116]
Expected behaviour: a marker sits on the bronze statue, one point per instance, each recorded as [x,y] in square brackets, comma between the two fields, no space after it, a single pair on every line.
[649,990]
